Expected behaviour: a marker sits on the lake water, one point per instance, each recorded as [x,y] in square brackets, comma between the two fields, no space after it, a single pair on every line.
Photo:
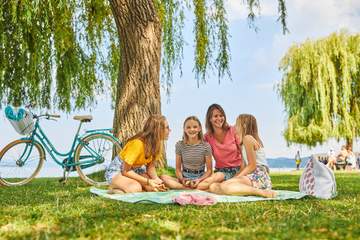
[51,169]
[286,162]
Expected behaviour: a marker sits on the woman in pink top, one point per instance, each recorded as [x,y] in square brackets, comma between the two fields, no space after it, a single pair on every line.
[225,144]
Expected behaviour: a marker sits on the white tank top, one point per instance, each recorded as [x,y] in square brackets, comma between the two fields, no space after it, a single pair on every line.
[260,157]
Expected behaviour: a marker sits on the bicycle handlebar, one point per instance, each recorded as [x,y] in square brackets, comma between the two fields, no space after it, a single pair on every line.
[47,116]
[54,115]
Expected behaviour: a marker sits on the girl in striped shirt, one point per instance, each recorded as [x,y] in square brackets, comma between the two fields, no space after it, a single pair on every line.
[193,159]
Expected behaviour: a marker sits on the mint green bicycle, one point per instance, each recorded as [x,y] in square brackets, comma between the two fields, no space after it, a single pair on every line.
[90,154]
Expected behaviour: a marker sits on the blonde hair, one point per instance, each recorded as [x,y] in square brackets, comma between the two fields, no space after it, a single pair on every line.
[200,134]
[246,125]
[152,135]
[208,125]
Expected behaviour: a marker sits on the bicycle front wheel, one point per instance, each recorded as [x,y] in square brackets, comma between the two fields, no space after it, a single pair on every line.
[20,161]
[93,156]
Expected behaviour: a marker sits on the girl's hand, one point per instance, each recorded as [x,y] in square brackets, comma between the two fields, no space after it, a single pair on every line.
[154,185]
[158,180]
[187,182]
[163,188]
[195,183]
[181,180]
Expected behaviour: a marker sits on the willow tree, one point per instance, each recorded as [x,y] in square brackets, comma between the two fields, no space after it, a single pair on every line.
[62,53]
[320,89]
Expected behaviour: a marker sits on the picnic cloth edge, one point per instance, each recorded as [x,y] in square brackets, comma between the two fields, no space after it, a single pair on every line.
[167,197]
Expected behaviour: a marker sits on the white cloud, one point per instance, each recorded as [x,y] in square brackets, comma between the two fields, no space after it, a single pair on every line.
[314,20]
[309,18]
[320,16]
[238,10]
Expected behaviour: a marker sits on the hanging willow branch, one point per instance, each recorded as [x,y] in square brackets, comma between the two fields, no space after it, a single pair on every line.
[320,89]
[202,41]
[61,54]
[56,52]
[223,58]
[172,16]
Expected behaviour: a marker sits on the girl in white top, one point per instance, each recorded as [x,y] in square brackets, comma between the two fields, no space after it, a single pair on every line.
[254,177]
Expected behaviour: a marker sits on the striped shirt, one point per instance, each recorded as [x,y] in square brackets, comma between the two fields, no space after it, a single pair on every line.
[193,155]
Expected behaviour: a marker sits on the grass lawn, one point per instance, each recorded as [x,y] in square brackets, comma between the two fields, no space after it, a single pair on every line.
[45,209]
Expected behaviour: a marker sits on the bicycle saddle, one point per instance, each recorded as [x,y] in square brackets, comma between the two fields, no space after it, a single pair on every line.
[83,118]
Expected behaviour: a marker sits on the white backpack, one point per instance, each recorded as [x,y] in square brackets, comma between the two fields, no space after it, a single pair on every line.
[318,180]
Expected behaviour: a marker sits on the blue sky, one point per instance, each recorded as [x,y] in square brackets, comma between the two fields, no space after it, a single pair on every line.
[254,69]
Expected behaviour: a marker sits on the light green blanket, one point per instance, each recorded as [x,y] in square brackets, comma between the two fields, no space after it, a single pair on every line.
[166,197]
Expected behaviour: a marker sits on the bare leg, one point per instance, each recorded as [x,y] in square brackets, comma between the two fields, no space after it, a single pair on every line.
[172,183]
[241,179]
[240,186]
[241,189]
[203,185]
[125,184]
[145,187]
[216,188]
[215,178]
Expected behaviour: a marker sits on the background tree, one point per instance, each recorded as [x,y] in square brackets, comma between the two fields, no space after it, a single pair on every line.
[63,53]
[320,89]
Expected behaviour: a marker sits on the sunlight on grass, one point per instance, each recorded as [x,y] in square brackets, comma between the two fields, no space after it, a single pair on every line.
[47,209]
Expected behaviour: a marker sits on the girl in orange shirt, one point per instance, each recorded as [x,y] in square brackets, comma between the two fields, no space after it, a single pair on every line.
[133,170]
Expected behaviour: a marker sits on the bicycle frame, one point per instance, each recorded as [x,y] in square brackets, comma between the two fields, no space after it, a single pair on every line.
[39,136]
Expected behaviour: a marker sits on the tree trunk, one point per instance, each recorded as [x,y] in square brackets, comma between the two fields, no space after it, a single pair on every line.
[138,86]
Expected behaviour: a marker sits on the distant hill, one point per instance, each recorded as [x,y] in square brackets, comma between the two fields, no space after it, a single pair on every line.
[283,162]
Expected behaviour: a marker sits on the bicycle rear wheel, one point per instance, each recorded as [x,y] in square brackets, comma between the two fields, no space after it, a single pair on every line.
[93,156]
[20,161]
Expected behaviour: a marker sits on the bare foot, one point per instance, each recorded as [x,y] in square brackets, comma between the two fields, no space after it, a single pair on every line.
[269,193]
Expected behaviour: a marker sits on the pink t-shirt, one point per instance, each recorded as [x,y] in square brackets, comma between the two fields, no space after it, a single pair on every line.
[226,154]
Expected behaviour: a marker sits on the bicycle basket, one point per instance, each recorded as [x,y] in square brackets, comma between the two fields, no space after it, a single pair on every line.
[20,119]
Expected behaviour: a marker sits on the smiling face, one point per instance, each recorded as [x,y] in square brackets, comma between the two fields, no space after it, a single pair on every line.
[217,118]
[192,129]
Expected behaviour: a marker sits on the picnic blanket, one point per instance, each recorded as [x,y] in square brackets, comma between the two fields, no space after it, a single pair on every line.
[168,197]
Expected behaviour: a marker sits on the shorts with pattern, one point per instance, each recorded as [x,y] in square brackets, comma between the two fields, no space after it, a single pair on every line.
[260,178]
[228,172]
[116,166]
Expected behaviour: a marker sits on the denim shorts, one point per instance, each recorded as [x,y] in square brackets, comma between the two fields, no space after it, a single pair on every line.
[228,172]
[192,176]
[116,166]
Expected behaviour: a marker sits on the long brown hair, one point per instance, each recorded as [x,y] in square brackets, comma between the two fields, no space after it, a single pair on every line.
[200,134]
[208,125]
[246,124]
[152,135]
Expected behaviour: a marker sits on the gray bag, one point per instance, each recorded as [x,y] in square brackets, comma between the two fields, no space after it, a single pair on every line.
[318,180]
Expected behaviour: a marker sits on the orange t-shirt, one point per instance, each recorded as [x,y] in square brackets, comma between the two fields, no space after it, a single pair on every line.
[134,153]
